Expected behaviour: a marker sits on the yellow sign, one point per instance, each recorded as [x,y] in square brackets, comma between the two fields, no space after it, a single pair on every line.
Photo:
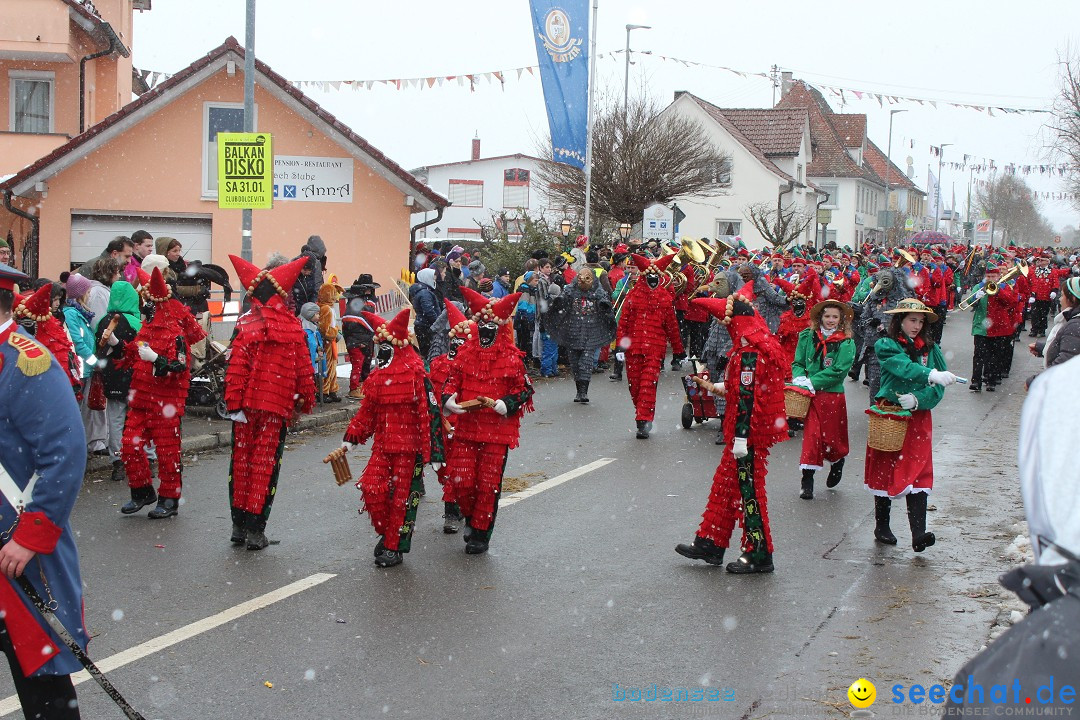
[245,170]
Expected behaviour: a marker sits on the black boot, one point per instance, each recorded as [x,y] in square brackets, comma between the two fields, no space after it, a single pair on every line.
[577,398]
[140,498]
[385,558]
[239,535]
[476,541]
[916,511]
[256,539]
[719,436]
[451,518]
[746,564]
[642,430]
[835,473]
[882,533]
[616,373]
[702,549]
[118,473]
[583,390]
[807,485]
[166,507]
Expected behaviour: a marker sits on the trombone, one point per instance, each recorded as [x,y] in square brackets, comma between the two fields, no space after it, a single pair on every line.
[990,287]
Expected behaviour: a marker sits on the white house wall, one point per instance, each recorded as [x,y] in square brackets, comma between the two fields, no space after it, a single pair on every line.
[490,172]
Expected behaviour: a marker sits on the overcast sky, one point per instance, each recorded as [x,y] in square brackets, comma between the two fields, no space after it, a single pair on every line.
[984,52]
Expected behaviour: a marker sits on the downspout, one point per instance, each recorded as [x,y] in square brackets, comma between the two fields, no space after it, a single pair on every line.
[30,260]
[817,215]
[412,234]
[113,40]
[780,205]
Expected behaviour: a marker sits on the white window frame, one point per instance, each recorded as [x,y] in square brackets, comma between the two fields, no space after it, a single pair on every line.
[466,182]
[834,196]
[724,221]
[207,193]
[36,76]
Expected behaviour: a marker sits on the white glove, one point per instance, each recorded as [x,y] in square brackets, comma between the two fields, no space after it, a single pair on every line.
[803,382]
[908,401]
[147,354]
[500,407]
[1031,300]
[620,356]
[238,416]
[347,446]
[738,448]
[113,340]
[941,377]
[980,295]
[436,466]
[1053,296]
[452,405]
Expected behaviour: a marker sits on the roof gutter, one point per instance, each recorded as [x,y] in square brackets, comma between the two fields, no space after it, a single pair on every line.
[818,214]
[29,259]
[114,46]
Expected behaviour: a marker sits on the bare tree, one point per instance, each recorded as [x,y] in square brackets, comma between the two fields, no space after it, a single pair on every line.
[640,157]
[1066,123]
[1010,204]
[778,225]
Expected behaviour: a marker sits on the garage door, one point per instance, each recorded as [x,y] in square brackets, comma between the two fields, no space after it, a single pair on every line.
[91,232]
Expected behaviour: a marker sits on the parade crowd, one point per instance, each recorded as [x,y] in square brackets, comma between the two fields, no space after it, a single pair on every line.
[767,341]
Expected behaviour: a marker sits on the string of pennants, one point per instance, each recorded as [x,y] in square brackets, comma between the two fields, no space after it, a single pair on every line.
[981,165]
[1040,194]
[153,77]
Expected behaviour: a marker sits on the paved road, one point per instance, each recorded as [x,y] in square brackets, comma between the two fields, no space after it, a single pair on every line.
[581,589]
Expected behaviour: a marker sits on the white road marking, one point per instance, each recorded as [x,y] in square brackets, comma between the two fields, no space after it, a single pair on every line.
[508,500]
[11,704]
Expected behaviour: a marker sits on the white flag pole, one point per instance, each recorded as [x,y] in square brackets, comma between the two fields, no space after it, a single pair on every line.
[588,133]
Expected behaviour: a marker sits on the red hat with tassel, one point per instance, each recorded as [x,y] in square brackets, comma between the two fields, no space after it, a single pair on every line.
[396,332]
[460,326]
[158,291]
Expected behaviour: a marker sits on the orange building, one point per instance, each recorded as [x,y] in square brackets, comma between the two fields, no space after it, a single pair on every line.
[152,164]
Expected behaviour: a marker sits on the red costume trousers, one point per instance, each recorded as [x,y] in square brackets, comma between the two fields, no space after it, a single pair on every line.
[443,473]
[359,361]
[729,503]
[385,485]
[255,458]
[643,372]
[143,426]
[475,471]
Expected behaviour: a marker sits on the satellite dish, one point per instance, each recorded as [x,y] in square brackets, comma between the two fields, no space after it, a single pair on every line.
[910,167]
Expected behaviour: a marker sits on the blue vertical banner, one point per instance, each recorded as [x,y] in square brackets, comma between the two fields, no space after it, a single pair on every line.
[562,47]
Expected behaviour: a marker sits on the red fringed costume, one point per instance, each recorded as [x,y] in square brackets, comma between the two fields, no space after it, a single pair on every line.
[493,368]
[51,333]
[401,413]
[788,335]
[646,325]
[269,380]
[462,331]
[754,388]
[158,396]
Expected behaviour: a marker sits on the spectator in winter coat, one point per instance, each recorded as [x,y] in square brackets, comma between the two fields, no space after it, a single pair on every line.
[359,335]
[79,321]
[581,319]
[1063,341]
[501,287]
[427,301]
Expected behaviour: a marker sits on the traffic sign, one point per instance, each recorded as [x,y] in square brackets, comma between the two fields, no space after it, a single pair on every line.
[245,170]
[658,222]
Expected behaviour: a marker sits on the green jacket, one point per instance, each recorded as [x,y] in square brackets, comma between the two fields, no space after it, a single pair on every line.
[825,375]
[901,375]
[978,319]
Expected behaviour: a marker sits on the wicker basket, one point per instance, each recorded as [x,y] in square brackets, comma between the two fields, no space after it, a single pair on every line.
[886,433]
[797,404]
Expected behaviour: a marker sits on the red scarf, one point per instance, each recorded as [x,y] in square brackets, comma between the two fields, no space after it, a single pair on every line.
[914,348]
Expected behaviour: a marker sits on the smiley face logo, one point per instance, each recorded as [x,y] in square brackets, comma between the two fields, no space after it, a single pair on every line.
[862,693]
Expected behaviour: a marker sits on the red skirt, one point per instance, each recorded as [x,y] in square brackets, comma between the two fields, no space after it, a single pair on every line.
[825,435]
[894,474]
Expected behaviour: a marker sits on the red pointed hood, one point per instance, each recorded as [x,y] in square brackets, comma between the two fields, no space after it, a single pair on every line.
[396,332]
[640,262]
[661,264]
[247,272]
[144,278]
[460,326]
[37,305]
[475,301]
[286,274]
[751,327]
[158,291]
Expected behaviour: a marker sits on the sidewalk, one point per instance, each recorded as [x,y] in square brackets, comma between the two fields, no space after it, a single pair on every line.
[201,432]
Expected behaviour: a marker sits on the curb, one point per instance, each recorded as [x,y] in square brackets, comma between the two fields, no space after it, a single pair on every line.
[211,441]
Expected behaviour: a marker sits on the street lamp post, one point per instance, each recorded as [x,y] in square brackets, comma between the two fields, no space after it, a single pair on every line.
[565,227]
[624,231]
[888,167]
[937,199]
[626,81]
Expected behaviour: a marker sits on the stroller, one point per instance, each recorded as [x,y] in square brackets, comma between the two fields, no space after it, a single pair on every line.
[700,404]
[208,382]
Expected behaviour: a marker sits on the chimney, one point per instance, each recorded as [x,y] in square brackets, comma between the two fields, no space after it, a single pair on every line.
[476,148]
[785,84]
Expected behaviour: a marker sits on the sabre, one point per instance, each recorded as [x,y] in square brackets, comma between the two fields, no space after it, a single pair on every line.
[78,652]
